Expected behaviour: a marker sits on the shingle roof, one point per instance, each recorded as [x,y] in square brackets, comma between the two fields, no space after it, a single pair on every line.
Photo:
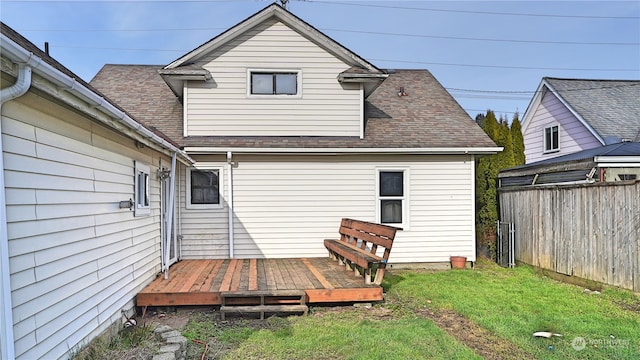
[617,149]
[143,93]
[427,117]
[610,107]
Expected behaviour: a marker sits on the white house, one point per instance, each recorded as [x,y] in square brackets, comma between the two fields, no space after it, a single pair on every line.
[261,139]
[291,132]
[567,116]
[82,212]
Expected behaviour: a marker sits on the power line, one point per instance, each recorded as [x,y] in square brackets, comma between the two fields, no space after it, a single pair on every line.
[486,39]
[505,66]
[383,60]
[474,12]
[359,32]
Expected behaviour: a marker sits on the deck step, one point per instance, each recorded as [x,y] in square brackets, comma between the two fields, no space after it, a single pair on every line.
[271,301]
[262,309]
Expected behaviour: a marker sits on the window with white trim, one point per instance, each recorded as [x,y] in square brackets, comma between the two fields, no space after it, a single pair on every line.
[392,196]
[204,188]
[551,138]
[142,193]
[274,83]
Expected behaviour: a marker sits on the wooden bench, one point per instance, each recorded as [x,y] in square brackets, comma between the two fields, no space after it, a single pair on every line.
[358,247]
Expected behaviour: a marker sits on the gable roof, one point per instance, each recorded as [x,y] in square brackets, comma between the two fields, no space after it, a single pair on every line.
[427,119]
[275,11]
[609,109]
[187,68]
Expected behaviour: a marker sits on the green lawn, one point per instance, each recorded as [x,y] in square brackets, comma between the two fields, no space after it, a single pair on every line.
[507,305]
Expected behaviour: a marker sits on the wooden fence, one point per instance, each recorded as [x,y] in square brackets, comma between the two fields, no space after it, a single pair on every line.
[589,231]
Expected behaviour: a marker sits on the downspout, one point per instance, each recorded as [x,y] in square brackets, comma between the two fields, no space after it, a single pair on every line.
[8,347]
[230,200]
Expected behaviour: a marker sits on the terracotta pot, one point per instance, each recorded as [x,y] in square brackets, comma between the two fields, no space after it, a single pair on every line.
[458,262]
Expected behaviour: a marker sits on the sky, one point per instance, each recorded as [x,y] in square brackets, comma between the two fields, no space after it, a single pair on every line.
[488,54]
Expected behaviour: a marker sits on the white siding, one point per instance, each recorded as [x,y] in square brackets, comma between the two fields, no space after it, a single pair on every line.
[76,259]
[223,107]
[574,136]
[285,206]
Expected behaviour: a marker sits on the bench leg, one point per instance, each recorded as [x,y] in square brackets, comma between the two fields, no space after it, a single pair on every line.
[367,276]
[379,276]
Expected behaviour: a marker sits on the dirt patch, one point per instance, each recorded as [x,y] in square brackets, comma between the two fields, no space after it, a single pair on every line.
[174,317]
[480,340]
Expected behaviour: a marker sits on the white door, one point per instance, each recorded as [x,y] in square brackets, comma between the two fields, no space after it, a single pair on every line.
[167,207]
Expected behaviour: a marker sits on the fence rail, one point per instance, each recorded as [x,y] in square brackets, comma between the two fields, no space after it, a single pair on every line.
[588,231]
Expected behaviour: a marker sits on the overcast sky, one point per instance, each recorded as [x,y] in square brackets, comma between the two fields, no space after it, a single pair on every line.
[489,55]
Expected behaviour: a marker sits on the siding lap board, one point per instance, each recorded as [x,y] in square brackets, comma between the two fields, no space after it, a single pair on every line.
[285,206]
[76,259]
[223,107]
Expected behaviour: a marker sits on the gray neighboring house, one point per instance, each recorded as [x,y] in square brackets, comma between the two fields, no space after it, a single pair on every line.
[609,163]
[570,115]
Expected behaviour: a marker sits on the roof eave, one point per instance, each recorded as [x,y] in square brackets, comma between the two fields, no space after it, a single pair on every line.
[175,79]
[344,151]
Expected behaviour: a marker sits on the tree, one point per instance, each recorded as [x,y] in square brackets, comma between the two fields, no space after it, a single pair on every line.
[518,141]
[488,167]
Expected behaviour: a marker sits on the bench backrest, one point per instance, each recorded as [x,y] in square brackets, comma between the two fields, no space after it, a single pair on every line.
[368,236]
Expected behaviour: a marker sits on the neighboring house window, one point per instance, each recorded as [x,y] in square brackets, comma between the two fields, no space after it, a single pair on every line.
[285,83]
[624,177]
[142,202]
[392,195]
[551,139]
[203,188]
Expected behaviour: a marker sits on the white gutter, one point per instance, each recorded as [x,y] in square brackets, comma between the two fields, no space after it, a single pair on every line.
[346,151]
[7,346]
[21,55]
[230,200]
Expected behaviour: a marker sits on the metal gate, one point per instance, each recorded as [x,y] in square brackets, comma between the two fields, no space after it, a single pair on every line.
[505,244]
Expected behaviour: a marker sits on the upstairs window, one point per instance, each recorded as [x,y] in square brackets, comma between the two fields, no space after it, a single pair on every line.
[274,83]
[142,203]
[551,139]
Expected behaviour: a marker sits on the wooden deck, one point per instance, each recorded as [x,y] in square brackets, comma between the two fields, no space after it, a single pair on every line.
[201,282]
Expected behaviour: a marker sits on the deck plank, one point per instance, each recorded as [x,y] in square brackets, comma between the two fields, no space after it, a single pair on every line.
[236,279]
[228,276]
[206,285]
[325,283]
[253,275]
[271,282]
[262,277]
[200,282]
[202,277]
[191,278]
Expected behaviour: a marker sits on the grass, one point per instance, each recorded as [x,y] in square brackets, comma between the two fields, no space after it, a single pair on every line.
[515,303]
[508,304]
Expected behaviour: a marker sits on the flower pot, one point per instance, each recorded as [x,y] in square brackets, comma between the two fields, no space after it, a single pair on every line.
[458,262]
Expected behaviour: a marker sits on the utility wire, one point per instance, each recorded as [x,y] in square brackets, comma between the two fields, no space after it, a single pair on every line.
[474,12]
[358,32]
[397,7]
[381,60]
[486,39]
[505,66]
